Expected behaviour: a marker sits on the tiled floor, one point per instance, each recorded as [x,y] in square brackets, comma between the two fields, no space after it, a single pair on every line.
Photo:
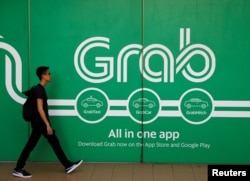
[109,172]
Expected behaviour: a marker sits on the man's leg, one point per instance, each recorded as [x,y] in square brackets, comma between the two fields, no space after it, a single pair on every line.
[30,145]
[54,142]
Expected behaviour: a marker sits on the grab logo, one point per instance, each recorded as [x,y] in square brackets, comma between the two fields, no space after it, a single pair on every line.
[171,65]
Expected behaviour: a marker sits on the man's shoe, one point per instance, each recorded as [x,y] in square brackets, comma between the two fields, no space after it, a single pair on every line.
[73,166]
[21,173]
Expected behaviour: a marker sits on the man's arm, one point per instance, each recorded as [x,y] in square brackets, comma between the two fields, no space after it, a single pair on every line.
[43,116]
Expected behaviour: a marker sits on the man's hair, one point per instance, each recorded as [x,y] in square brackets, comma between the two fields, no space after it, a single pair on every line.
[41,70]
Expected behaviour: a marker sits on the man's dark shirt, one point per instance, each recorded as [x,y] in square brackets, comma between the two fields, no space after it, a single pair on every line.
[40,93]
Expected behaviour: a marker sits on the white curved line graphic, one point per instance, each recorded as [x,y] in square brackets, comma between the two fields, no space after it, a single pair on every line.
[14,89]
[8,72]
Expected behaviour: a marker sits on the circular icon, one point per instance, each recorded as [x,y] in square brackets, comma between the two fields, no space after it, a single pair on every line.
[196,106]
[92,105]
[143,105]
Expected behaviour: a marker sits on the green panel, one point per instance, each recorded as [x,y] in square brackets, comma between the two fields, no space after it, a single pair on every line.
[217,132]
[13,52]
[58,31]
[133,80]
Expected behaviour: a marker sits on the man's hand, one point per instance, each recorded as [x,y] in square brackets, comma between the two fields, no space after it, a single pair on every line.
[49,130]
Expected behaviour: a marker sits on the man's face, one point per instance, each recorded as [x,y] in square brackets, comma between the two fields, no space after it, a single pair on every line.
[47,76]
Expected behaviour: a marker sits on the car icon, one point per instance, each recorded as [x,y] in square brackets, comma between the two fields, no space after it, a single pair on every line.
[195,102]
[91,101]
[143,102]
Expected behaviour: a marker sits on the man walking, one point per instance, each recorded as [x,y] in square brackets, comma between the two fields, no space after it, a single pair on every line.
[41,126]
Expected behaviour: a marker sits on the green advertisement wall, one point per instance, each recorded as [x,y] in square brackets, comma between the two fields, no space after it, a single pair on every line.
[132,80]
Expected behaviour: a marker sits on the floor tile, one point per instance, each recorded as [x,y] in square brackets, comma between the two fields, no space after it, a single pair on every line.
[108,172]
